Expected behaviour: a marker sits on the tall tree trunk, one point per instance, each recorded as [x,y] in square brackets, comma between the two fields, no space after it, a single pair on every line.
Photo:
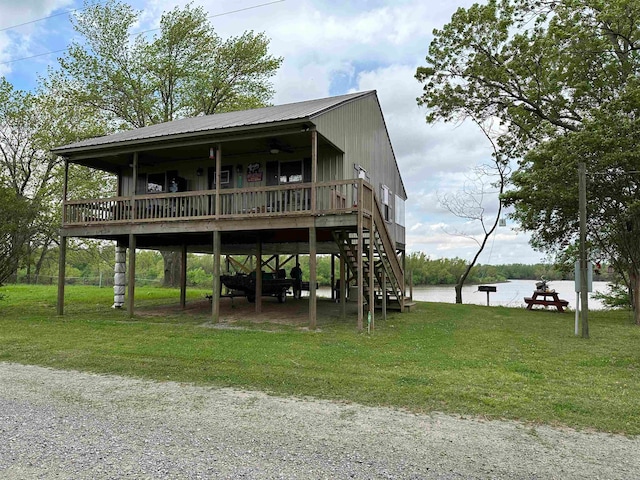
[635,295]
[39,263]
[172,265]
[459,290]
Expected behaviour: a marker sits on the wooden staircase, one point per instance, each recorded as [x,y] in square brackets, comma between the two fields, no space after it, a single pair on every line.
[388,274]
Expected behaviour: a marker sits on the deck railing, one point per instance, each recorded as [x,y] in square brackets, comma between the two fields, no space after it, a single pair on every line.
[335,197]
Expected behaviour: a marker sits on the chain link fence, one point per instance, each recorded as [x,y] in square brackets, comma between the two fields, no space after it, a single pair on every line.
[99,281]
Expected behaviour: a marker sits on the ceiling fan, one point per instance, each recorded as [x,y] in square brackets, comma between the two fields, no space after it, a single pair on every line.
[276,146]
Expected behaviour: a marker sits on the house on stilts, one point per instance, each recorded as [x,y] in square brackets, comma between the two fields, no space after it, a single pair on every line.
[313,177]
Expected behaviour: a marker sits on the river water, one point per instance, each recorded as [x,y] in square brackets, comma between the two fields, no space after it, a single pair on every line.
[508,294]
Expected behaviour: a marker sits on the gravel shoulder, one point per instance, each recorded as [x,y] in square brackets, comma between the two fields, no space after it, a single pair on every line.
[74,425]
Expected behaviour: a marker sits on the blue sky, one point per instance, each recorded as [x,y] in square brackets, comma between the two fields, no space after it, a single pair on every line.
[329,48]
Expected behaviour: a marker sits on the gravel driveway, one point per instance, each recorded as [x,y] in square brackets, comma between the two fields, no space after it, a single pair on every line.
[72,425]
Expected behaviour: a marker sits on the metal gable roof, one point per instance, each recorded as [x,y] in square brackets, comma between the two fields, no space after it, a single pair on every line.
[220,121]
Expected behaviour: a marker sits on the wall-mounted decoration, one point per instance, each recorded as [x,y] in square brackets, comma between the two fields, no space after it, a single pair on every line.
[254,172]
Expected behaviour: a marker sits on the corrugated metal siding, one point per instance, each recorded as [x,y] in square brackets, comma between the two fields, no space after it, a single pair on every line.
[330,166]
[358,128]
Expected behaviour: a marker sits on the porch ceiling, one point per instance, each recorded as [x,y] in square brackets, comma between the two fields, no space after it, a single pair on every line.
[293,141]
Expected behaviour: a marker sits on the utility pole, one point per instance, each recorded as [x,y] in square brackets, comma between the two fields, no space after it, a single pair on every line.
[584,294]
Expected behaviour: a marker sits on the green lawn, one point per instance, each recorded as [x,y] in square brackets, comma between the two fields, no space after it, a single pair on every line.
[491,362]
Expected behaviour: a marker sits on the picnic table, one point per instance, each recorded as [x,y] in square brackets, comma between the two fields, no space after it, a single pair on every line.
[546,298]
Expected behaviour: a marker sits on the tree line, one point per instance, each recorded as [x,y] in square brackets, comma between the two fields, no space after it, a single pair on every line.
[92,263]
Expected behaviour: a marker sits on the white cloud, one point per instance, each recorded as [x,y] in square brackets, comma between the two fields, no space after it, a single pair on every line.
[20,33]
[16,13]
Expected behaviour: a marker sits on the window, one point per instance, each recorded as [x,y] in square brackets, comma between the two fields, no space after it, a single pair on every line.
[400,211]
[225,176]
[291,172]
[384,198]
[155,183]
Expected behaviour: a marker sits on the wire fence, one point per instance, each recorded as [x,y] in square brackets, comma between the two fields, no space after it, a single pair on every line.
[99,281]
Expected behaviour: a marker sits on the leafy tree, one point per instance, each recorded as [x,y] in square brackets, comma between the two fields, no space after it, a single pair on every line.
[16,215]
[30,122]
[561,77]
[184,70]
[609,142]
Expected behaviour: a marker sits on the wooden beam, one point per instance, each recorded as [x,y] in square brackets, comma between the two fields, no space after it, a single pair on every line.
[183,276]
[343,288]
[218,177]
[215,300]
[411,285]
[132,274]
[384,295]
[372,267]
[62,262]
[314,168]
[259,276]
[134,187]
[313,307]
[359,263]
[65,186]
[333,277]
[291,257]
[62,259]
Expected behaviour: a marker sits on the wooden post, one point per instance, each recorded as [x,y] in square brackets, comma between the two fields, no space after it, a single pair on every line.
[183,277]
[134,213]
[218,177]
[359,263]
[384,295]
[65,187]
[411,285]
[132,273]
[259,276]
[402,283]
[314,167]
[215,296]
[372,267]
[312,278]
[343,288]
[62,261]
[333,277]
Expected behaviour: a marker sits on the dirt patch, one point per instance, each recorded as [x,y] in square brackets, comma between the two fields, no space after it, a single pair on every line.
[293,312]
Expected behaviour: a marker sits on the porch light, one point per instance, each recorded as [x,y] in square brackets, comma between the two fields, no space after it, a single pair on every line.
[212,153]
[274,151]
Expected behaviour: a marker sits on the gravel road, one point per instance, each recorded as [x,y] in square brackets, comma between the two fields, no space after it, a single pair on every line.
[73,425]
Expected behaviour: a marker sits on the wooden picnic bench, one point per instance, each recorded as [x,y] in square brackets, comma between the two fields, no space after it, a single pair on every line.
[548,299]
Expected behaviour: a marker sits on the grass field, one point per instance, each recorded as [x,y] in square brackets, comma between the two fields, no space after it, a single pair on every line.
[491,362]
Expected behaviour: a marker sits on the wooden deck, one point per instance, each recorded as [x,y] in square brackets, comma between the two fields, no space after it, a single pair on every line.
[337,197]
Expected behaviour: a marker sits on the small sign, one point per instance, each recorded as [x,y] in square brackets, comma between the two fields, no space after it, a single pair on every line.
[487,288]
[254,172]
